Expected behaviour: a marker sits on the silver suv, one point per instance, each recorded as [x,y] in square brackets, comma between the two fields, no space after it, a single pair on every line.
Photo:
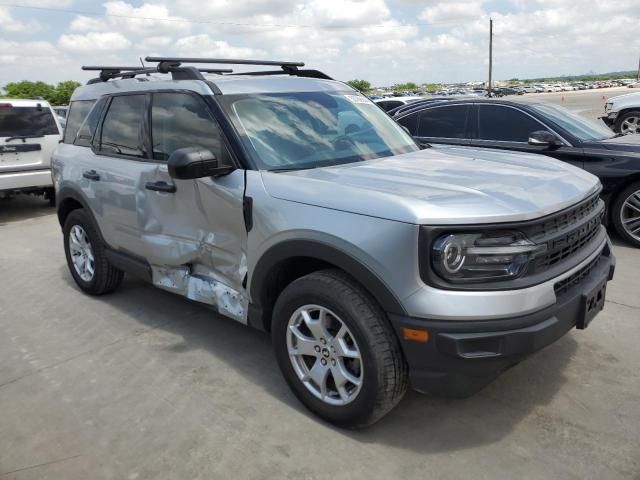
[291,203]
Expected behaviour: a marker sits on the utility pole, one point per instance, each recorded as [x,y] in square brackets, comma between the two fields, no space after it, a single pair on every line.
[638,77]
[491,54]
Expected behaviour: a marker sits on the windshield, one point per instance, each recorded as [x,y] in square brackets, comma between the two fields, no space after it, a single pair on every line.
[312,129]
[577,126]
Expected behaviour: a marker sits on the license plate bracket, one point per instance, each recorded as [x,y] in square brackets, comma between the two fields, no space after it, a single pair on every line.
[591,304]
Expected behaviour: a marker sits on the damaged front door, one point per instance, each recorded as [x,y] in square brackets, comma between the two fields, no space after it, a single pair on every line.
[193,230]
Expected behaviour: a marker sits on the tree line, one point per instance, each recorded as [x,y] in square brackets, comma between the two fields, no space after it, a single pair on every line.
[59,94]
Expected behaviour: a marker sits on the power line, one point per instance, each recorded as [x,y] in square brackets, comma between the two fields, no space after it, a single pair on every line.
[228,23]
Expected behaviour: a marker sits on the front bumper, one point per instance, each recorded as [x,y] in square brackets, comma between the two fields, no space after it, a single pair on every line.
[461,357]
[609,119]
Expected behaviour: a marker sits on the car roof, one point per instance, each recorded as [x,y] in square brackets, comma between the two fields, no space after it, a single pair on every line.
[25,102]
[453,100]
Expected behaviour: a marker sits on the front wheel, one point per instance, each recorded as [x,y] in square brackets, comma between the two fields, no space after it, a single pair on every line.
[626,214]
[628,123]
[336,350]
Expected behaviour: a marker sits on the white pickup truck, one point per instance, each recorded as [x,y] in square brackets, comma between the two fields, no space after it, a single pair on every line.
[622,113]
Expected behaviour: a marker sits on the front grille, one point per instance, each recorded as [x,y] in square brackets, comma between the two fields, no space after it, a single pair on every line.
[566,233]
[563,286]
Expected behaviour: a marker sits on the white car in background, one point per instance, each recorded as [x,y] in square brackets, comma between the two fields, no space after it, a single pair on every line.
[29,132]
[622,113]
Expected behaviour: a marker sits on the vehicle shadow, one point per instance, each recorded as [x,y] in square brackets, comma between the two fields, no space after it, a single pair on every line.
[23,207]
[420,423]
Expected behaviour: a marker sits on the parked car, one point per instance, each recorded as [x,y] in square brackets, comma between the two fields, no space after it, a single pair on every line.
[29,132]
[293,204]
[390,103]
[622,113]
[542,128]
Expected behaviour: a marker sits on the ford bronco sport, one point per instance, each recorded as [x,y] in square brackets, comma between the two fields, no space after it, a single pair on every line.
[291,203]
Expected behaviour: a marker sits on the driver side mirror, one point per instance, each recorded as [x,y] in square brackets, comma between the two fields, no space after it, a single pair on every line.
[543,138]
[195,162]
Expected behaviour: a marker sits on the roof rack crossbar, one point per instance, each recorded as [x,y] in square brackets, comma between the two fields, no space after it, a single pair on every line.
[226,61]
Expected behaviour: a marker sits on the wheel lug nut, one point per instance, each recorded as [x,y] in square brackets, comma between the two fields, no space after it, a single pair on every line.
[333,362]
[323,361]
[316,348]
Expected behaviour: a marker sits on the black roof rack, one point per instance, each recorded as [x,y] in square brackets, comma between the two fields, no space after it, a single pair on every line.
[290,68]
[174,65]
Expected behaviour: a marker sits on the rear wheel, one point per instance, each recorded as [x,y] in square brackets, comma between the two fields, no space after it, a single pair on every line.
[337,351]
[626,214]
[86,257]
[628,123]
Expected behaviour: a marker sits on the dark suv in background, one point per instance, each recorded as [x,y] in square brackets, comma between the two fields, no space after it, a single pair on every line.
[542,128]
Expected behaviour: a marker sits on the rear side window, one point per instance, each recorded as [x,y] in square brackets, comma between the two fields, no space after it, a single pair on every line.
[84,138]
[78,111]
[443,122]
[22,121]
[389,105]
[122,126]
[505,124]
[181,120]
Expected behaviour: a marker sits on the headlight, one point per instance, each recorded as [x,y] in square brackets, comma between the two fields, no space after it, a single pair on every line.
[478,257]
[607,106]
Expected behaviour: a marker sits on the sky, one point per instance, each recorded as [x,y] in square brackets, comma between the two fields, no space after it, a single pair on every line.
[382,41]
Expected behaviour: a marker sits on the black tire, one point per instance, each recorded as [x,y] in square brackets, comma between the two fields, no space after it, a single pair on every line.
[384,379]
[106,277]
[623,117]
[616,208]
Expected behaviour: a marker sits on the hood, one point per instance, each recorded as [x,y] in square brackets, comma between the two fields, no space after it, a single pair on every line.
[439,186]
[624,96]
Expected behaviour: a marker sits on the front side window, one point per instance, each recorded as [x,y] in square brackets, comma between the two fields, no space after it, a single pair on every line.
[122,126]
[314,129]
[181,120]
[78,111]
[443,122]
[505,124]
[26,121]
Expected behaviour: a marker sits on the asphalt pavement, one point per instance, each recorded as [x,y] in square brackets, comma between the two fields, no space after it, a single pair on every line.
[143,384]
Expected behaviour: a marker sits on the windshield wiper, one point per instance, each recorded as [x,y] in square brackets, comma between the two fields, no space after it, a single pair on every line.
[22,137]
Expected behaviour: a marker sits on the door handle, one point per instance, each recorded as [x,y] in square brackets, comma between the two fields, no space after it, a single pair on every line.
[91,175]
[160,187]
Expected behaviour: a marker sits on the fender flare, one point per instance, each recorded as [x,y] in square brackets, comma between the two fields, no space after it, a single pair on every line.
[288,249]
[66,193]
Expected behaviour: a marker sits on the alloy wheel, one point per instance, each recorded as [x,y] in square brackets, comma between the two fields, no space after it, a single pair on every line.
[630,215]
[630,125]
[324,354]
[81,253]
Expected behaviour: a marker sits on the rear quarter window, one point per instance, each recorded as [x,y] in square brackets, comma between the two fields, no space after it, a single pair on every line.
[78,111]
[22,121]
